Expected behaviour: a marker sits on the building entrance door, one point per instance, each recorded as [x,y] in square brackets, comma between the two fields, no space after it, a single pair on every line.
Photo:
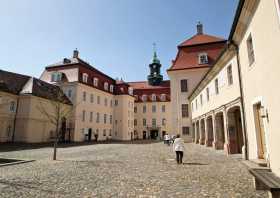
[144,135]
[154,134]
[89,134]
[260,132]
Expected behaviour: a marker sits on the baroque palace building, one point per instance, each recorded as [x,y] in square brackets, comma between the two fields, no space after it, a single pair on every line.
[221,93]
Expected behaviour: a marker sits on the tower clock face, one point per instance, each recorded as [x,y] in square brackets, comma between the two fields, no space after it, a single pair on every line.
[154,66]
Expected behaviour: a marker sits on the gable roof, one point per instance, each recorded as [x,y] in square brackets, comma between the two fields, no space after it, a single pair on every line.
[200,39]
[12,82]
[16,83]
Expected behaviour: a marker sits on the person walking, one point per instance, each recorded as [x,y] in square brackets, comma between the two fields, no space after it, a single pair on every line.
[178,147]
[168,139]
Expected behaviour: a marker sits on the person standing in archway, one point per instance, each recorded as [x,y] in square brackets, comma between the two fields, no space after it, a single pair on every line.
[179,147]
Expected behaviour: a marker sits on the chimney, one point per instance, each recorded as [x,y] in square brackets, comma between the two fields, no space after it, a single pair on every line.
[76,53]
[199,27]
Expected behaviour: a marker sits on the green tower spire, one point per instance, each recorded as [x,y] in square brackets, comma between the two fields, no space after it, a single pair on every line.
[155,78]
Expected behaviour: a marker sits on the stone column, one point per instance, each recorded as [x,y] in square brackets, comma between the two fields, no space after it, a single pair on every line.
[215,136]
[196,132]
[227,140]
[202,132]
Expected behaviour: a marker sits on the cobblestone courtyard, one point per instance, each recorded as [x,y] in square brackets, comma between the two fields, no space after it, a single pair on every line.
[126,170]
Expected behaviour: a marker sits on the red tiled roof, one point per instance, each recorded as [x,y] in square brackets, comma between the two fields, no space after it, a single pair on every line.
[141,88]
[187,56]
[201,39]
[145,85]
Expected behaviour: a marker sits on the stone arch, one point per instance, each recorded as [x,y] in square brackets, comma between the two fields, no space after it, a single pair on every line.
[235,130]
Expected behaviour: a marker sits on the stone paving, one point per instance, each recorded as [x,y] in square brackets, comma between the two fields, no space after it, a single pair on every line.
[126,170]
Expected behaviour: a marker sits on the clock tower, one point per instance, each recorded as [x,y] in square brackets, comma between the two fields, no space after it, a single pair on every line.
[155,78]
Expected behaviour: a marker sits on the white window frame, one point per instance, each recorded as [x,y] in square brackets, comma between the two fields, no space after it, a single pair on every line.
[106,86]
[144,98]
[130,91]
[163,97]
[111,88]
[85,77]
[95,82]
[154,97]
[200,55]
[56,76]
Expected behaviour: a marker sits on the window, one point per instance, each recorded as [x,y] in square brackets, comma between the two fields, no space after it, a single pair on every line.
[56,77]
[192,107]
[105,102]
[217,86]
[97,117]
[116,102]
[144,98]
[110,132]
[130,91]
[9,131]
[106,86]
[163,108]
[98,99]
[186,130]
[84,115]
[84,96]
[154,97]
[111,119]
[104,132]
[163,97]
[85,77]
[229,75]
[95,82]
[185,110]
[111,103]
[195,103]
[184,85]
[250,50]
[154,109]
[207,93]
[91,98]
[135,109]
[201,99]
[105,118]
[144,109]
[111,88]
[135,122]
[154,122]
[202,58]
[12,106]
[69,93]
[97,131]
[91,116]
[163,122]
[144,122]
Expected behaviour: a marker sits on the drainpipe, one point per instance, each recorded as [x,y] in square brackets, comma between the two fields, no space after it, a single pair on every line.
[242,100]
[15,118]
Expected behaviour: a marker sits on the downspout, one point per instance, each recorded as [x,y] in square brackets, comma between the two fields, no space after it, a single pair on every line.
[242,100]
[15,119]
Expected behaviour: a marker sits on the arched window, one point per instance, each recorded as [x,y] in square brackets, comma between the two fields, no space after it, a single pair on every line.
[95,82]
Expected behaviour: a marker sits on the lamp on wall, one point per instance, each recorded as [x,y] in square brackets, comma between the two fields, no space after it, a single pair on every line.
[264,113]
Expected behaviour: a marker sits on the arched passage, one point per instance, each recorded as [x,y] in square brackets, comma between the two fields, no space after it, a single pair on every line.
[219,131]
[209,132]
[202,132]
[235,130]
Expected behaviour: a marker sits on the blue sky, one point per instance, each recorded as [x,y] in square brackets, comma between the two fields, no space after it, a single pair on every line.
[115,36]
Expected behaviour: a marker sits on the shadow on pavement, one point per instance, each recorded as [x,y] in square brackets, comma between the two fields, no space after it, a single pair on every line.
[195,163]
[7,147]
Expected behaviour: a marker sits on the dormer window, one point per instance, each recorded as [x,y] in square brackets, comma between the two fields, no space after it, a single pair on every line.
[56,77]
[144,98]
[130,91]
[203,58]
[154,97]
[95,82]
[163,97]
[85,77]
[106,86]
[122,89]
[111,88]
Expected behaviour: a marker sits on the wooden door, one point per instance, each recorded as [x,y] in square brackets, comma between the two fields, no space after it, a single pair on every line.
[260,133]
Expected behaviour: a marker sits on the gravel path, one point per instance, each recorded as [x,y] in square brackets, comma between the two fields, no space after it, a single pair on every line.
[126,170]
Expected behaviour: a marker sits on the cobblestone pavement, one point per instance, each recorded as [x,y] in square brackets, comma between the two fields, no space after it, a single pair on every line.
[126,170]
